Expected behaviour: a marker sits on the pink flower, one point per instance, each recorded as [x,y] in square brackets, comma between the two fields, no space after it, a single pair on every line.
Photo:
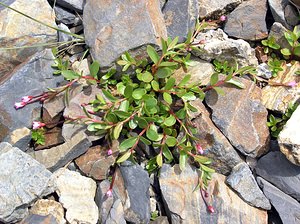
[37,125]
[222,18]
[109,152]
[210,209]
[19,105]
[292,84]
[199,149]
[109,193]
[26,99]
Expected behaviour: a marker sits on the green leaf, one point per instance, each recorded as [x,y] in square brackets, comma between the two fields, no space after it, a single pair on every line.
[189,96]
[214,79]
[168,64]
[297,51]
[110,117]
[164,72]
[182,159]
[109,74]
[236,83]
[184,80]
[132,124]
[164,46]
[122,114]
[142,122]
[69,74]
[202,159]
[109,96]
[170,83]
[128,91]
[152,134]
[128,143]
[285,52]
[138,93]
[94,69]
[145,141]
[155,85]
[124,106]
[124,157]
[117,130]
[147,77]
[170,121]
[167,153]
[171,141]
[167,97]
[206,169]
[219,90]
[181,114]
[159,160]
[152,54]
[173,43]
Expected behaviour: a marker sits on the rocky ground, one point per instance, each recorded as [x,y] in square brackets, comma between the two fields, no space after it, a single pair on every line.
[66,180]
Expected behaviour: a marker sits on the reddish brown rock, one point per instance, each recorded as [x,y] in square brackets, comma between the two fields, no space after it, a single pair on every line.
[241,117]
[53,138]
[95,162]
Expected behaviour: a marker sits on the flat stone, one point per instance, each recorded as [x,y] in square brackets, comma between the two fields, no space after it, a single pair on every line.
[95,162]
[18,134]
[56,157]
[243,182]
[277,9]
[76,194]
[17,31]
[218,46]
[22,181]
[116,214]
[76,5]
[278,98]
[180,17]
[185,205]
[66,17]
[287,207]
[215,144]
[252,27]
[289,138]
[160,220]
[111,27]
[39,219]
[241,117]
[276,169]
[53,138]
[216,8]
[22,83]
[47,207]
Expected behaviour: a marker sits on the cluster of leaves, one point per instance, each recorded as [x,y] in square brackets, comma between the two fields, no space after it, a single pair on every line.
[38,136]
[292,38]
[276,123]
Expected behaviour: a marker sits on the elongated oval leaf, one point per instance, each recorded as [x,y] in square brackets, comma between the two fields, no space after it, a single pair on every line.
[138,93]
[214,79]
[128,143]
[94,69]
[167,97]
[236,83]
[159,160]
[117,130]
[109,96]
[69,74]
[170,83]
[170,121]
[182,160]
[152,54]
[171,141]
[167,153]
[185,80]
[124,157]
[164,72]
[155,85]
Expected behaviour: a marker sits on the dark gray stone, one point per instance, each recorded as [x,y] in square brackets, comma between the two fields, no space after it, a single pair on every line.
[276,169]
[113,27]
[287,207]
[31,78]
[103,202]
[277,31]
[263,71]
[39,219]
[291,15]
[180,17]
[277,8]
[251,27]
[22,181]
[63,37]
[243,182]
[66,17]
[76,5]
[137,183]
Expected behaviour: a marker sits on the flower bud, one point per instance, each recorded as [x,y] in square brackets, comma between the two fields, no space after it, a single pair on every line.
[109,193]
[292,84]
[210,209]
[19,105]
[222,18]
[199,149]
[26,99]
[109,152]
[37,125]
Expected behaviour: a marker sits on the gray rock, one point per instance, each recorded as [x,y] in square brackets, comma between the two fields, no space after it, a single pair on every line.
[180,17]
[76,5]
[216,8]
[241,117]
[289,138]
[277,31]
[112,27]
[116,214]
[57,157]
[33,77]
[66,17]
[39,219]
[136,183]
[263,71]
[252,27]
[276,169]
[22,181]
[63,37]
[160,220]
[218,46]
[287,207]
[277,8]
[291,15]
[243,182]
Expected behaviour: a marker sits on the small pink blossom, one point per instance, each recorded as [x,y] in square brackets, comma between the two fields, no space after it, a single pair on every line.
[292,84]
[19,105]
[37,125]
[222,18]
[90,111]
[109,152]
[109,193]
[210,209]
[26,99]
[199,149]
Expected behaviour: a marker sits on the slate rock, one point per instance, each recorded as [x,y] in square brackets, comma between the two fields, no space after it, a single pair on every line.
[241,117]
[113,27]
[76,5]
[180,17]
[17,30]
[277,9]
[103,202]
[22,181]
[160,220]
[63,37]
[53,138]
[252,27]
[276,169]
[216,8]
[31,78]
[215,144]
[287,207]
[218,46]
[243,182]
[277,31]
[289,138]
[291,15]
[39,219]
[116,214]
[185,205]
[76,194]
[263,70]
[295,2]
[56,157]
[66,17]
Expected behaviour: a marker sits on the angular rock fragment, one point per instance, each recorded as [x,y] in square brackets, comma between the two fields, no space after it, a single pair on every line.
[22,181]
[39,219]
[116,214]
[66,17]
[76,5]
[277,8]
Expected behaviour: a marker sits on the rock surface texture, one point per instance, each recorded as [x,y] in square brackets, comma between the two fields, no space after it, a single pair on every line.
[22,181]
[241,117]
[111,27]
[215,8]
